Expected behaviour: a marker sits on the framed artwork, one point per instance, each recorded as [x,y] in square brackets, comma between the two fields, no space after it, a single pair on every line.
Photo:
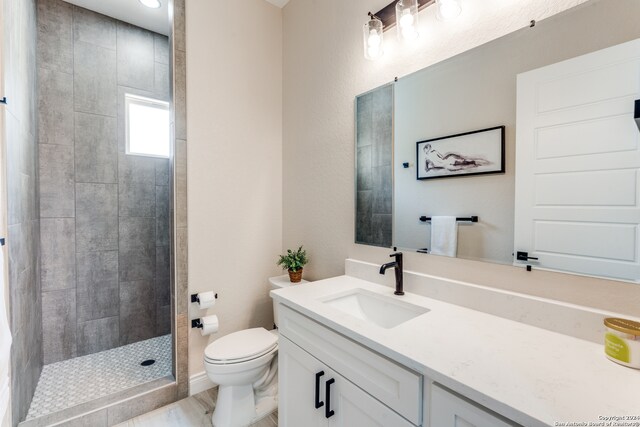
[470,153]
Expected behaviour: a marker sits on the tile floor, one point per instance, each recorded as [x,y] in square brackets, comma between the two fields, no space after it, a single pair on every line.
[79,380]
[194,411]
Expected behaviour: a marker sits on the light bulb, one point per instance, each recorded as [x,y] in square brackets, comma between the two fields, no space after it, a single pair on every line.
[153,4]
[407,19]
[374,39]
[449,9]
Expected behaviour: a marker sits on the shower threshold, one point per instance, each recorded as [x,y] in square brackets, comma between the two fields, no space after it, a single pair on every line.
[84,379]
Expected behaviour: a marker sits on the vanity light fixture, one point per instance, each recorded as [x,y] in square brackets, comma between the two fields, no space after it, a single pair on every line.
[404,14]
[153,4]
[373,38]
[407,19]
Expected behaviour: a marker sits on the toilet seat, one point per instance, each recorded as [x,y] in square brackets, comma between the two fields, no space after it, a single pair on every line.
[241,346]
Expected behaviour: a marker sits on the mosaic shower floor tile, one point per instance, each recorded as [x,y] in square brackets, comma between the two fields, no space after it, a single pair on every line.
[82,379]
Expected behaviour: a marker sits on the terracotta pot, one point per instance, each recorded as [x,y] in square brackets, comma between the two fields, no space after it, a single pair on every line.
[295,276]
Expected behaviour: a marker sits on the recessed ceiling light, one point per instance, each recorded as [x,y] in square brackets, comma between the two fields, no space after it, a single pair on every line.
[153,4]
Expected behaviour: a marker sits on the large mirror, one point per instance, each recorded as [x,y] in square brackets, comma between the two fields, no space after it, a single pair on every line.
[566,194]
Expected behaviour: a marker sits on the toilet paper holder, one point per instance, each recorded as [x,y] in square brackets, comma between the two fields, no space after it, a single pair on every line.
[196,323]
[194,298]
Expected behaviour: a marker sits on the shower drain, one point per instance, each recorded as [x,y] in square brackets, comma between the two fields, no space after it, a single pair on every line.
[148,362]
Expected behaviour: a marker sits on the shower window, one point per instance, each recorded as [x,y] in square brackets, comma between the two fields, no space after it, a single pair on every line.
[147,126]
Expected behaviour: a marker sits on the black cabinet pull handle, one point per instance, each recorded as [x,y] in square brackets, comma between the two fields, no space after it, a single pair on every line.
[328,412]
[524,256]
[318,403]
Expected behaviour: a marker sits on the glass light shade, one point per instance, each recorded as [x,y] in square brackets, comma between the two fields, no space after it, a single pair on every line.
[373,39]
[449,10]
[407,19]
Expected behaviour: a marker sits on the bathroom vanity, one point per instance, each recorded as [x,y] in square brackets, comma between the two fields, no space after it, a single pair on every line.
[353,354]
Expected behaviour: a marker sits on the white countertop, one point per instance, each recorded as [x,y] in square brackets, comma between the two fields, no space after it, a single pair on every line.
[530,375]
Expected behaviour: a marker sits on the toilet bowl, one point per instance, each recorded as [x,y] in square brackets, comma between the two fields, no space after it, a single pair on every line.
[244,365]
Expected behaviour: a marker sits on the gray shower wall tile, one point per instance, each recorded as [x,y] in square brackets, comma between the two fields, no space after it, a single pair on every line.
[137,249]
[163,320]
[58,253]
[382,154]
[163,222]
[21,176]
[55,35]
[381,226]
[137,311]
[364,173]
[14,153]
[364,120]
[96,217]
[382,190]
[23,294]
[94,82]
[162,172]
[59,325]
[163,276]
[364,208]
[56,181]
[161,49]
[96,148]
[136,57]
[97,287]
[136,186]
[94,28]
[18,185]
[55,107]
[98,335]
[161,82]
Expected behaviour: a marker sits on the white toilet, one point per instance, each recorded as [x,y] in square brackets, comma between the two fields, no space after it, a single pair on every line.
[244,364]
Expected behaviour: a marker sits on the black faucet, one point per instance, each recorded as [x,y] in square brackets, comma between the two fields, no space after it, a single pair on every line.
[397,264]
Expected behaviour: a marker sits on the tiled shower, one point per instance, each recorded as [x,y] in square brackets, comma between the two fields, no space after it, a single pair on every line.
[92,222]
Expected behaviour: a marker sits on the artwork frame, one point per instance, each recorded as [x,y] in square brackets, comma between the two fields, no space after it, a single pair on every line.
[478,152]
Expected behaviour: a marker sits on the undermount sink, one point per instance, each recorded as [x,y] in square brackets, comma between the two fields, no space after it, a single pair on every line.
[380,310]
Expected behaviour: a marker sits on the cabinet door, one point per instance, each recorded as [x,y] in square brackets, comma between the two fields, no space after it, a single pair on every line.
[355,408]
[449,410]
[297,372]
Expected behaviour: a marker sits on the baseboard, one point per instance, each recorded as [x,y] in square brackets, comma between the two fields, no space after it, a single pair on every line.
[199,383]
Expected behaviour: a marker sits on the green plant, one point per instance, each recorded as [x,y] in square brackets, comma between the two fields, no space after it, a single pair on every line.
[293,260]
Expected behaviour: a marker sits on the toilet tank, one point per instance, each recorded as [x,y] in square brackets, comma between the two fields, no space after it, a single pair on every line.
[280,282]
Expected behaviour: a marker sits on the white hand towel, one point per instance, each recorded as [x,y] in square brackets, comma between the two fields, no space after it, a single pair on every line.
[5,345]
[444,236]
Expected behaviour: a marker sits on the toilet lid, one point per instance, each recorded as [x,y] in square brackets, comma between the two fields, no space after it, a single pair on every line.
[241,345]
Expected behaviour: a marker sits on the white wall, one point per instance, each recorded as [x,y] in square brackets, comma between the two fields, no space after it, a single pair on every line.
[234,107]
[324,69]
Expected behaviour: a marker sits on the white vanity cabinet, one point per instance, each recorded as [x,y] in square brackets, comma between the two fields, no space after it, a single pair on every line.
[450,410]
[326,379]
[311,394]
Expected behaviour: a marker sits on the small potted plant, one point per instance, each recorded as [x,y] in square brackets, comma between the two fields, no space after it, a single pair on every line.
[293,261]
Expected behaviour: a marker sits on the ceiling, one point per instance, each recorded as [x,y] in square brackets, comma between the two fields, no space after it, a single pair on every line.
[133,12]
